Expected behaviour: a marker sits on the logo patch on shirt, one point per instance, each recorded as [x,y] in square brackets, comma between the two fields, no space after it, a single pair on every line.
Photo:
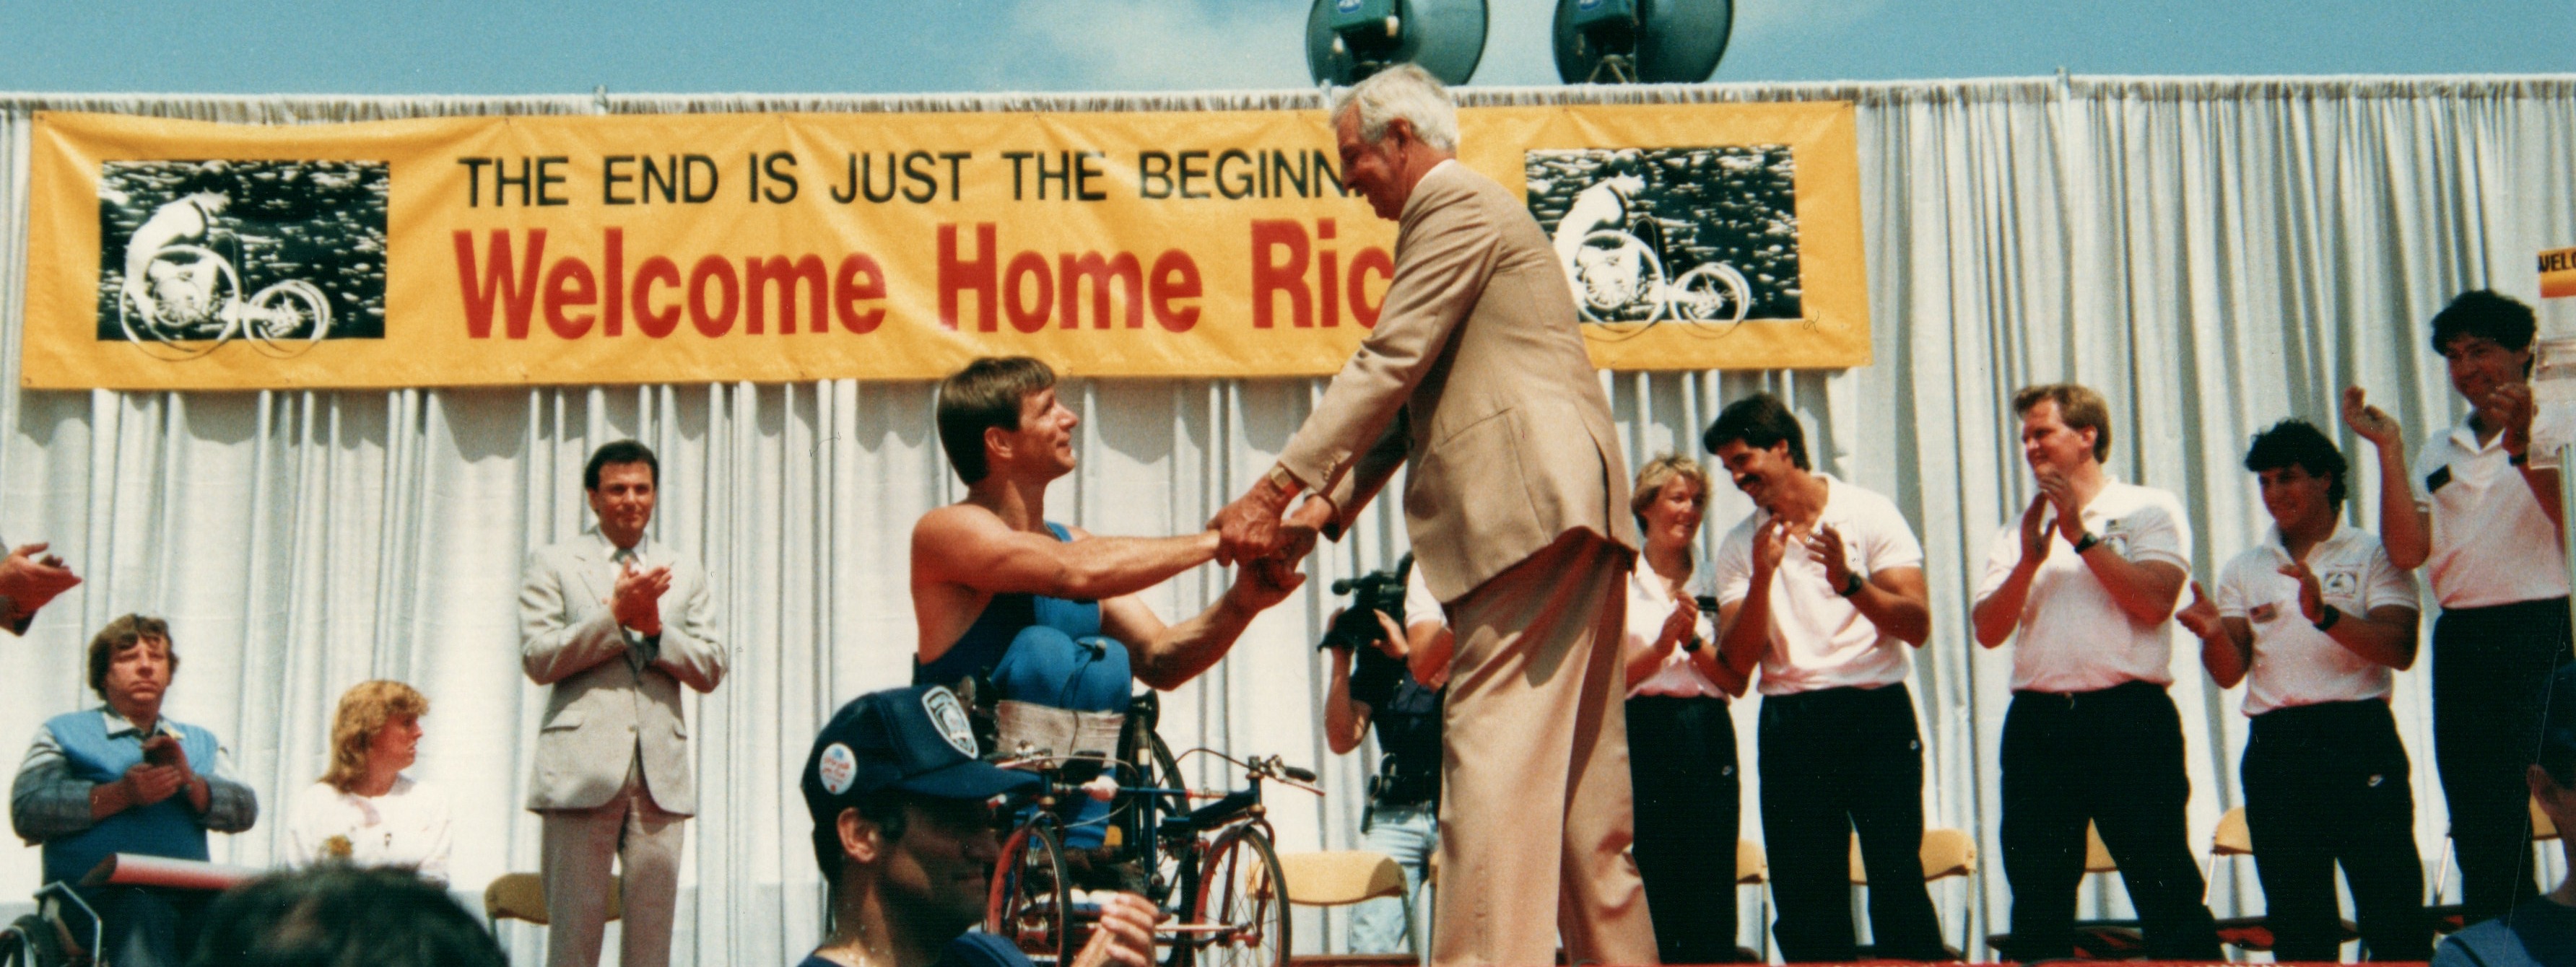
[2265,612]
[2341,583]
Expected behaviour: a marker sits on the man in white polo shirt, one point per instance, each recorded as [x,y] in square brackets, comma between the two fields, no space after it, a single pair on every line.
[1823,586]
[2313,620]
[2479,511]
[2088,599]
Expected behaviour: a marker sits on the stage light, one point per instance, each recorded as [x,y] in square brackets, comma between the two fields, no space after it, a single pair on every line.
[1641,41]
[1347,40]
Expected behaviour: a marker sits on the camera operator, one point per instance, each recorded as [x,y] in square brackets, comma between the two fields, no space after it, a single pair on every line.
[1396,686]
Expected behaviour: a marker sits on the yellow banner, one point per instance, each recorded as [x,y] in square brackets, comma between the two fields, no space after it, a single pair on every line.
[699,248]
[2558,273]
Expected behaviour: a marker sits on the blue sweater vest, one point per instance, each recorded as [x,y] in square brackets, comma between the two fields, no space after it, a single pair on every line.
[166,828]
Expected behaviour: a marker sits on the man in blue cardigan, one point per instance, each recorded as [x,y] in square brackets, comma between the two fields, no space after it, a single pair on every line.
[122,778]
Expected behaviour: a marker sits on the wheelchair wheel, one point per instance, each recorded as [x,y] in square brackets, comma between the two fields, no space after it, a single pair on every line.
[182,329]
[287,318]
[1030,904]
[1241,894]
[32,942]
[1712,292]
[1618,278]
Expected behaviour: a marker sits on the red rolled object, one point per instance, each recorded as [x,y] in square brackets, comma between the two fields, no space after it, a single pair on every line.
[135,869]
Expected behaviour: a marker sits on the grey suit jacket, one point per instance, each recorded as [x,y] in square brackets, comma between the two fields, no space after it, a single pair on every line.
[601,708]
[1475,379]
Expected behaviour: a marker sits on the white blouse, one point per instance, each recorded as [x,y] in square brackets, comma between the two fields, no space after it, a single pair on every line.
[407,826]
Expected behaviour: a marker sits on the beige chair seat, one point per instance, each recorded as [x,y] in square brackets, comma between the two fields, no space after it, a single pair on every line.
[1340,877]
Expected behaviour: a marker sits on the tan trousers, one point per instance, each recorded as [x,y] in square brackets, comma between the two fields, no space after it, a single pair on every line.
[1534,812]
[580,844]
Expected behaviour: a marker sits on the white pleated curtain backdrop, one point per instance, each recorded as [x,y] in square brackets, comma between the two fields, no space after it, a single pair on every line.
[2214,255]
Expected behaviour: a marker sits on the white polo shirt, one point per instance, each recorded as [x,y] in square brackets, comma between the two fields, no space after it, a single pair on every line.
[1650,603]
[2072,636]
[1818,640]
[2294,663]
[2492,544]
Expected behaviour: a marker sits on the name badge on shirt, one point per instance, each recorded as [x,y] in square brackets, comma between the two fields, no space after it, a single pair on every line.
[2265,612]
[2434,482]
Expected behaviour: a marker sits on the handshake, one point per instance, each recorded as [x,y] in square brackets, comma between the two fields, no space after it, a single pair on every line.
[1257,532]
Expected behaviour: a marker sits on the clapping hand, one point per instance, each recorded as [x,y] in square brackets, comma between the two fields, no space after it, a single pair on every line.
[2200,615]
[1770,545]
[2312,599]
[637,601]
[2060,493]
[2034,531]
[1825,545]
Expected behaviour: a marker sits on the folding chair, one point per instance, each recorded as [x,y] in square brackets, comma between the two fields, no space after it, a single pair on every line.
[2254,933]
[1946,853]
[1336,878]
[522,896]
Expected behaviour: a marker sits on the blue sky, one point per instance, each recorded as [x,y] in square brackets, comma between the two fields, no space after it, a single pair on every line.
[872,46]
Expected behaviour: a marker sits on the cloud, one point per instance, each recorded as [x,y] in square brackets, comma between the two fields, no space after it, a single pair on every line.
[1110,45]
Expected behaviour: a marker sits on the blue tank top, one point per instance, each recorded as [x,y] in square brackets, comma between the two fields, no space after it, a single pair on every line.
[982,646]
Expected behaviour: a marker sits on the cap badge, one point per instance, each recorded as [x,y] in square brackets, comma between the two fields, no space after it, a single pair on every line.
[950,716]
[836,768]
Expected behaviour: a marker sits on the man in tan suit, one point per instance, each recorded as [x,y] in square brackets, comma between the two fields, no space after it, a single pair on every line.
[616,622]
[1477,379]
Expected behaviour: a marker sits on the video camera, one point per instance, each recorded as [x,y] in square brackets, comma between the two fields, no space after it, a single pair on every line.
[1381,590]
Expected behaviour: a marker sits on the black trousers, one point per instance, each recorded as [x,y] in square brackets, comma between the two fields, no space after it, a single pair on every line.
[2490,673]
[1681,761]
[2327,784]
[2113,757]
[1834,762]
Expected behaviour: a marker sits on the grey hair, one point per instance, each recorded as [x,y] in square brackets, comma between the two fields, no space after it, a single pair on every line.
[1402,91]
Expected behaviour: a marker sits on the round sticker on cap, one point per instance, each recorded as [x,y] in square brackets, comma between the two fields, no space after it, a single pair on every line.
[837,767]
[950,716]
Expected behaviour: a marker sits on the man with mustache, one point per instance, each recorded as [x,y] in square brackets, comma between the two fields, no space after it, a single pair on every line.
[1823,587]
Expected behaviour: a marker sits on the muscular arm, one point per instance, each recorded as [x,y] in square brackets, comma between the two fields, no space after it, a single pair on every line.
[1167,656]
[1896,602]
[2404,529]
[2146,591]
[966,545]
[2386,636]
[1997,614]
[2228,651]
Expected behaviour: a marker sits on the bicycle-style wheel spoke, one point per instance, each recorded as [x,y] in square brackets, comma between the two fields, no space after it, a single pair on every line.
[1242,903]
[1030,904]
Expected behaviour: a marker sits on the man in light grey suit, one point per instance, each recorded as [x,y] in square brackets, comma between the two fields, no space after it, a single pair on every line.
[616,622]
[1476,378]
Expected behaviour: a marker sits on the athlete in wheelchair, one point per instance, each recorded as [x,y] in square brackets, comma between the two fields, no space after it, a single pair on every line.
[1043,623]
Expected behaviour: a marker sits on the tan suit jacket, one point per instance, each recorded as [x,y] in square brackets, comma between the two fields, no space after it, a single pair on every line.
[1477,380]
[602,710]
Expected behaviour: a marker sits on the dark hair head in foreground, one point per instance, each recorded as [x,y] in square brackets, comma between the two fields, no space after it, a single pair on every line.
[337,915]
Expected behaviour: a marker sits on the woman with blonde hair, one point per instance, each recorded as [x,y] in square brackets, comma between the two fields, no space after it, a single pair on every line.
[1681,733]
[364,810]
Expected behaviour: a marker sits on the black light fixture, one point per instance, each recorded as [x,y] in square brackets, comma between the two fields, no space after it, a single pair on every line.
[1641,41]
[1348,40]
